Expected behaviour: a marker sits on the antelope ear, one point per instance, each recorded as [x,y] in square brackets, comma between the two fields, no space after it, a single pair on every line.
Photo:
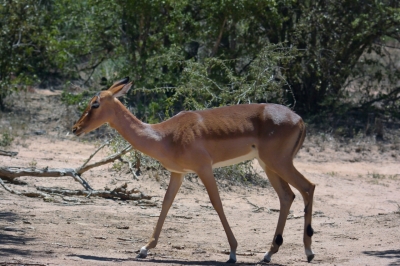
[121,90]
[120,82]
[117,89]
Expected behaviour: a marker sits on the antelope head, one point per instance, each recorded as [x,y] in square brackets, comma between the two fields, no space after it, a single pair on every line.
[99,110]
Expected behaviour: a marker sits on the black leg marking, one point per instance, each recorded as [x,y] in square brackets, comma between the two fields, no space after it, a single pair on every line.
[310,230]
[305,209]
[279,240]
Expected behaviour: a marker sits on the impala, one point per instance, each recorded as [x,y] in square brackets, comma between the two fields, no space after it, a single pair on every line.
[198,141]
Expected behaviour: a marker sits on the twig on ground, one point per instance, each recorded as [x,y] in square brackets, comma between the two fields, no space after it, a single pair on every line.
[256,208]
[8,153]
[238,253]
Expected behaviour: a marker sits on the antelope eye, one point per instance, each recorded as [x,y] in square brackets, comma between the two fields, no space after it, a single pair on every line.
[95,105]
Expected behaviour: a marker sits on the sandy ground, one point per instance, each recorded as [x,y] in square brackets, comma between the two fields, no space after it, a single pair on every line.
[356,209]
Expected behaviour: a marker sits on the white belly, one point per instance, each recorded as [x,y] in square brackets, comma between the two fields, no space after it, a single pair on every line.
[253,154]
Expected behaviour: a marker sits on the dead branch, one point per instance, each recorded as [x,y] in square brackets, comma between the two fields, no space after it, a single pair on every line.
[6,187]
[23,193]
[21,263]
[13,172]
[10,173]
[93,154]
[106,160]
[125,195]
[8,153]
[131,168]
[119,192]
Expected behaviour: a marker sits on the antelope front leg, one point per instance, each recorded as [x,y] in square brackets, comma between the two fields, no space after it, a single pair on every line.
[206,175]
[174,184]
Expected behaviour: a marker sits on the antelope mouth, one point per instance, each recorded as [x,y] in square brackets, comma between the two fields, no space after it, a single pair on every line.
[77,132]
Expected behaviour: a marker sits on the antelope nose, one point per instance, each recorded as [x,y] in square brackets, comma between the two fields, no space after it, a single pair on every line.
[74,130]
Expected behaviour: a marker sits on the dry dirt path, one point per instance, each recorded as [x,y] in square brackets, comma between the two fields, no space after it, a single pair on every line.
[356,216]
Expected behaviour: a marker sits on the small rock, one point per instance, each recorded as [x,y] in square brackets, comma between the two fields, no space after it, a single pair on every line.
[39,132]
[124,239]
[122,227]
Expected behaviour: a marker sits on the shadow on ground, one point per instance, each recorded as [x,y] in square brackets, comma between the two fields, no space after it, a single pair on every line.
[12,239]
[99,258]
[392,254]
[206,263]
[9,217]
[165,261]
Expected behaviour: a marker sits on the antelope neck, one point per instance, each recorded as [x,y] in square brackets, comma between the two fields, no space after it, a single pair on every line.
[140,135]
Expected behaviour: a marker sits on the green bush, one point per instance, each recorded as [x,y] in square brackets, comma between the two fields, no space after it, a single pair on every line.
[6,139]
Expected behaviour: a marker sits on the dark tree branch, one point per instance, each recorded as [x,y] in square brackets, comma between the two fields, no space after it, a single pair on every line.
[383,97]
[217,43]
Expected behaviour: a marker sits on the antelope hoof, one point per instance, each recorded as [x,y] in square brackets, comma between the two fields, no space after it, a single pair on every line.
[143,253]
[231,261]
[267,257]
[310,257]
[141,256]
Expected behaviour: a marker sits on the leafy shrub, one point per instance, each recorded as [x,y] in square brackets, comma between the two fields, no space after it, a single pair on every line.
[6,139]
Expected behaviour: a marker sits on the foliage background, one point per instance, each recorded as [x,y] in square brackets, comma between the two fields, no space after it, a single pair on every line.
[335,59]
